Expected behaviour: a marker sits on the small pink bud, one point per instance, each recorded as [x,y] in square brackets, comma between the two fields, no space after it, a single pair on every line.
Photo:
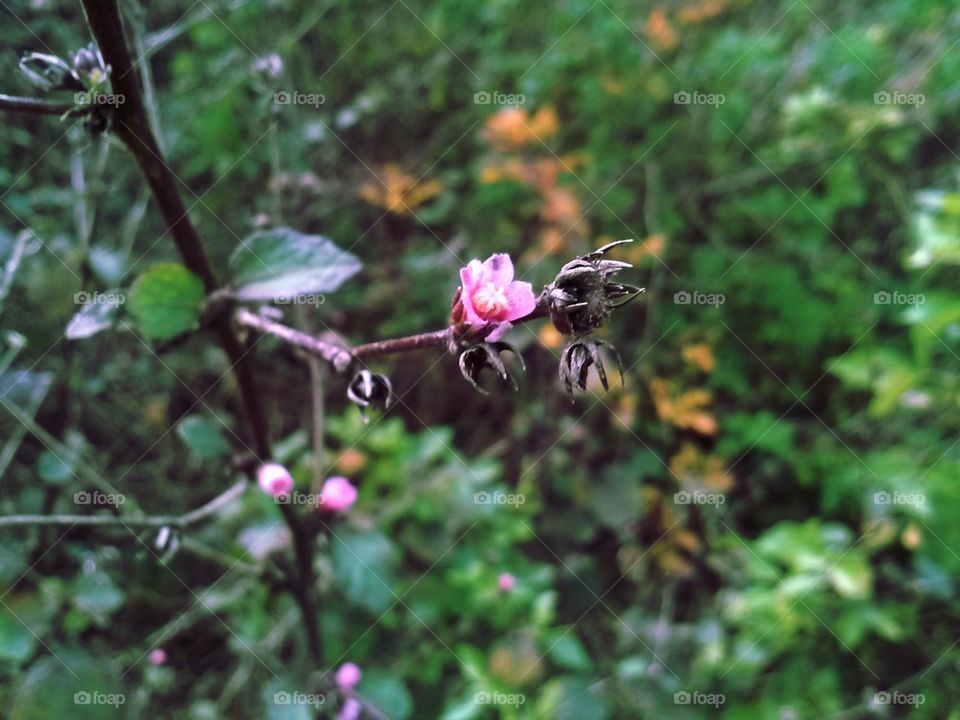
[274,479]
[157,656]
[506,582]
[338,494]
[351,710]
[348,676]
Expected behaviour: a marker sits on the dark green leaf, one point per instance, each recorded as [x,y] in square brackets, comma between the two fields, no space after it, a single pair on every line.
[282,263]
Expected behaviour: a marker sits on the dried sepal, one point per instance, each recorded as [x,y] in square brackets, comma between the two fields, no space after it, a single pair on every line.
[583,294]
[576,360]
[370,390]
[49,72]
[486,355]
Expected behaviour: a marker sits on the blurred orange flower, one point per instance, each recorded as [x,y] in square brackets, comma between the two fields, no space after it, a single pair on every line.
[695,469]
[512,128]
[661,31]
[700,356]
[398,192]
[686,410]
[702,11]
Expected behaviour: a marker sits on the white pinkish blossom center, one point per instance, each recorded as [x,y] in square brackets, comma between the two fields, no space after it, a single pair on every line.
[490,301]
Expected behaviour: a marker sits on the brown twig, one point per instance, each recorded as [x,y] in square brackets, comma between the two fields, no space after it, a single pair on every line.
[132,126]
[341,357]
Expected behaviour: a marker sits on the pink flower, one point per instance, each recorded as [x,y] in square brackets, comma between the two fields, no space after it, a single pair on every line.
[490,295]
[274,479]
[338,494]
[351,709]
[506,582]
[348,676]
[157,656]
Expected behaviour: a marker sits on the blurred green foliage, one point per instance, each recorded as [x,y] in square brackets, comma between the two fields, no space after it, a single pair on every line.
[765,512]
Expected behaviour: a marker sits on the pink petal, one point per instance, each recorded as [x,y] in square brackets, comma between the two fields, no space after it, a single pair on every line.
[522,300]
[498,332]
[498,269]
[470,277]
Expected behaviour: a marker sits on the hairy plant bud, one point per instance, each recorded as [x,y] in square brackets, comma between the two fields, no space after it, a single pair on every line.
[89,66]
[576,360]
[348,675]
[476,359]
[274,479]
[506,582]
[338,494]
[157,656]
[370,390]
[584,293]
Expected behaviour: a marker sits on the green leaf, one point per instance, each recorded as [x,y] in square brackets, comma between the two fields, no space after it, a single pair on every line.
[364,564]
[17,643]
[204,436]
[96,594]
[71,685]
[54,469]
[165,301]
[282,263]
[387,692]
[573,698]
[568,652]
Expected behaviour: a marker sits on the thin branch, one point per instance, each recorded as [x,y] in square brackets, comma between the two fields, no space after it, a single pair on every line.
[35,106]
[132,126]
[180,521]
[341,357]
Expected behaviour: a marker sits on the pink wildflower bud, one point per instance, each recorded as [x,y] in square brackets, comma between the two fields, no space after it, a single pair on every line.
[348,676]
[274,479]
[490,294]
[351,710]
[506,582]
[338,494]
[157,656]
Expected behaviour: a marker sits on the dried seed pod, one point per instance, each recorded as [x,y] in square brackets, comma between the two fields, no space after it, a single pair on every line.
[368,389]
[49,72]
[576,360]
[486,355]
[583,294]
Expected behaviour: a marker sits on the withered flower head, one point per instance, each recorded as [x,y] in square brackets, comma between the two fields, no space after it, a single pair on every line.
[369,389]
[584,292]
[576,360]
[486,355]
